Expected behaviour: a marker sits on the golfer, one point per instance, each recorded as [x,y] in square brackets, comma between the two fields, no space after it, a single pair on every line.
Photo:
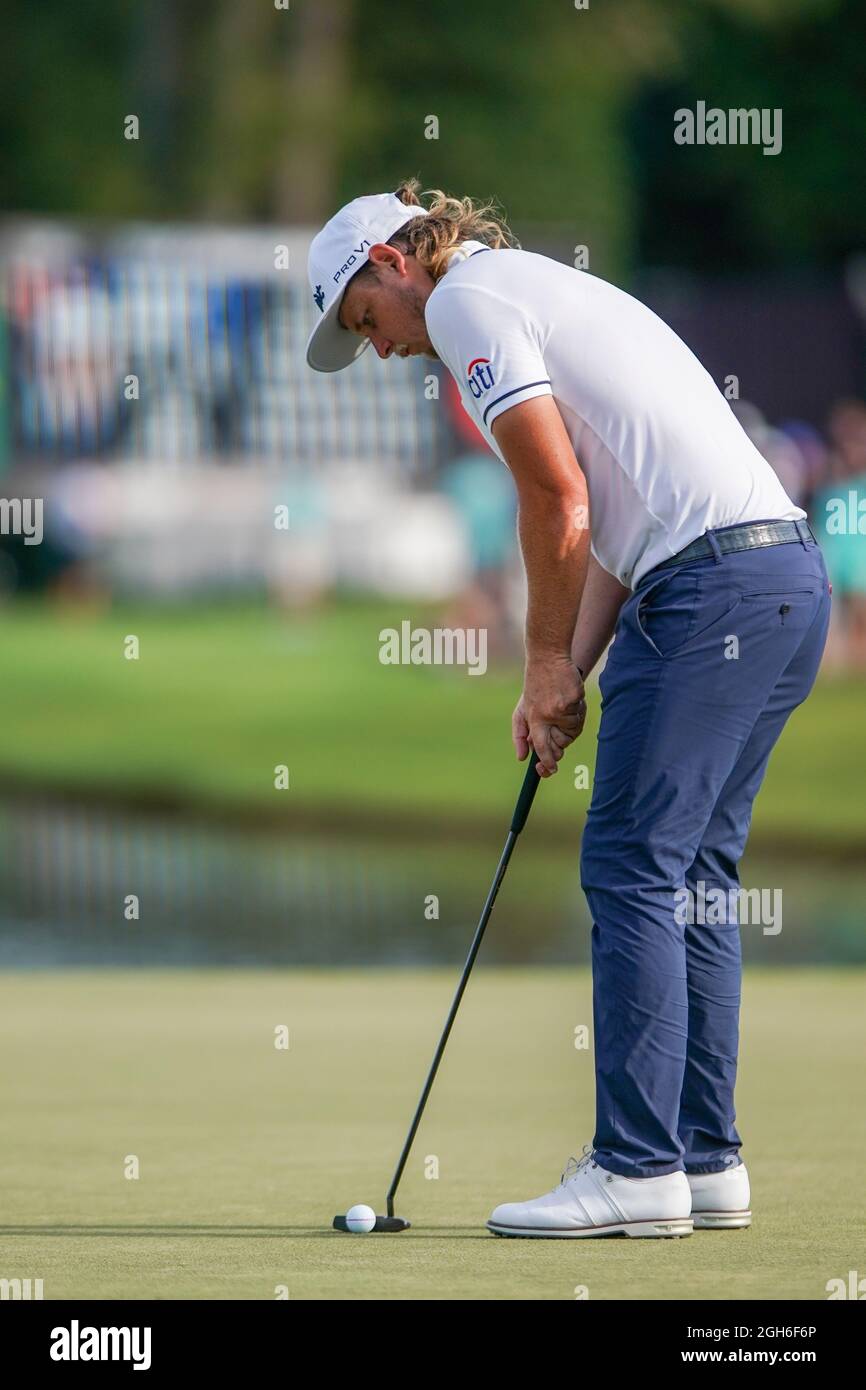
[646,514]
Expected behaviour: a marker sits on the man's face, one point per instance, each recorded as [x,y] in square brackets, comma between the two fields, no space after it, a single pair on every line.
[387,305]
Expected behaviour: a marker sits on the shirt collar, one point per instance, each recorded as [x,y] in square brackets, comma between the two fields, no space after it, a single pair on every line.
[462,251]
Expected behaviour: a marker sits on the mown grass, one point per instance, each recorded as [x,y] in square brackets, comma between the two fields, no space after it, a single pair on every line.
[220,696]
[245,1152]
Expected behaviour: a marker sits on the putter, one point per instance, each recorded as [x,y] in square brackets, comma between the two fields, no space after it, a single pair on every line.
[392,1223]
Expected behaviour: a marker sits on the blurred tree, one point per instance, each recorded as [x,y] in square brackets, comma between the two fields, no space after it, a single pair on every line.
[274,109]
[65,89]
[714,207]
[565,115]
[528,100]
[319,72]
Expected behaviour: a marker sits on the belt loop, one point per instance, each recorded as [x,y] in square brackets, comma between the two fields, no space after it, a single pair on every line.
[714,546]
[803,531]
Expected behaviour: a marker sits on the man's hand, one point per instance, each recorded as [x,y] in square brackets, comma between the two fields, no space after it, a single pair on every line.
[550,713]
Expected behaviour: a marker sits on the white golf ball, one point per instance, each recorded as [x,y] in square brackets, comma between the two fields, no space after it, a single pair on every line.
[360,1219]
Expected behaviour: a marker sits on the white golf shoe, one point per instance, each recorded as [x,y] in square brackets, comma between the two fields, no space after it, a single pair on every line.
[589,1201]
[720,1201]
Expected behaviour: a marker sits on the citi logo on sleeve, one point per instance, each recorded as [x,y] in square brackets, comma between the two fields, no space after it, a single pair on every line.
[480,376]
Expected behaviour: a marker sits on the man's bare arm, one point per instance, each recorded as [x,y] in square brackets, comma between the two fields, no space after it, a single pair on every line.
[603,597]
[552,521]
[554,539]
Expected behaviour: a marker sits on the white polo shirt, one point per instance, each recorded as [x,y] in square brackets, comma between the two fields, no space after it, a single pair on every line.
[662,452]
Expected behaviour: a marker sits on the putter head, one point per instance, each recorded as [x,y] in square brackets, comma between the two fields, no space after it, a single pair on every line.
[387,1224]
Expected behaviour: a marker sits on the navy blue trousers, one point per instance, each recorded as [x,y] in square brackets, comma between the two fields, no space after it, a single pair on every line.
[708,661]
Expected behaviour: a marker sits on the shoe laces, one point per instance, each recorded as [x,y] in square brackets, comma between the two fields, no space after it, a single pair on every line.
[578,1165]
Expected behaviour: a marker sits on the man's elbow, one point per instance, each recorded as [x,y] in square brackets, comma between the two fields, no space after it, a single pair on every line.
[560,491]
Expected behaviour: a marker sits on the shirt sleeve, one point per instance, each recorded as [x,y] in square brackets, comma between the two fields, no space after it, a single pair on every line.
[491,347]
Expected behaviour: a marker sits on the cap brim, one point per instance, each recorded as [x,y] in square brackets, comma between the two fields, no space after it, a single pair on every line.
[330,346]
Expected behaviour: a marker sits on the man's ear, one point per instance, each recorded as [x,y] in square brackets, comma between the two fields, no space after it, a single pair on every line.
[382,254]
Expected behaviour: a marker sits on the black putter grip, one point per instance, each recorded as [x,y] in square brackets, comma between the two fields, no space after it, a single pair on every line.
[527,795]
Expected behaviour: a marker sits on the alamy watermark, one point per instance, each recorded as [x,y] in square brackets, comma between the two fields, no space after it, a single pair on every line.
[736,126]
[77,1343]
[438,646]
[22,1289]
[22,516]
[846,516]
[710,905]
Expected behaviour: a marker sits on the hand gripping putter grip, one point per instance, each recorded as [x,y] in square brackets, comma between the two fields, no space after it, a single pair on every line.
[392,1223]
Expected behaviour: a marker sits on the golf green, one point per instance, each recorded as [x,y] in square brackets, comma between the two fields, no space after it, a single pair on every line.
[245,1150]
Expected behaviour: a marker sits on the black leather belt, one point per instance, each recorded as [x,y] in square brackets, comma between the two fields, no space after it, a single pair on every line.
[746,537]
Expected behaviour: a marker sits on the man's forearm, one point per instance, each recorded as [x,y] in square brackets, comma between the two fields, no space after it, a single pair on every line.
[553,510]
[553,506]
[556,555]
[602,598]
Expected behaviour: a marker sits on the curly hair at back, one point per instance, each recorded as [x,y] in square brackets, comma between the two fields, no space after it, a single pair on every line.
[447,221]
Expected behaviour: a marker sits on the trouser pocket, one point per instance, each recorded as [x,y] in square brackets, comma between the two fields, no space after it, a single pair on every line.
[687,609]
[675,609]
[789,608]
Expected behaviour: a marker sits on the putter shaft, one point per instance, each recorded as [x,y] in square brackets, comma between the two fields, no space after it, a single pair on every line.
[521,811]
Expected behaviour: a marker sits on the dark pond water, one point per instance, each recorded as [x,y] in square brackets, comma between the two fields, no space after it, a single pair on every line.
[213,896]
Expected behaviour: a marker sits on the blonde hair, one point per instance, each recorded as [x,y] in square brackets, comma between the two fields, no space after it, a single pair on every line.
[447,222]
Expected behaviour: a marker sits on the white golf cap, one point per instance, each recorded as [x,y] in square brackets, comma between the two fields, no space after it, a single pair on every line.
[337,252]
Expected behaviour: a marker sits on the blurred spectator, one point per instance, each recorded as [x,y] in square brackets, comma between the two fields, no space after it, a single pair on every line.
[839,516]
[780,449]
[70,377]
[814,454]
[483,493]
